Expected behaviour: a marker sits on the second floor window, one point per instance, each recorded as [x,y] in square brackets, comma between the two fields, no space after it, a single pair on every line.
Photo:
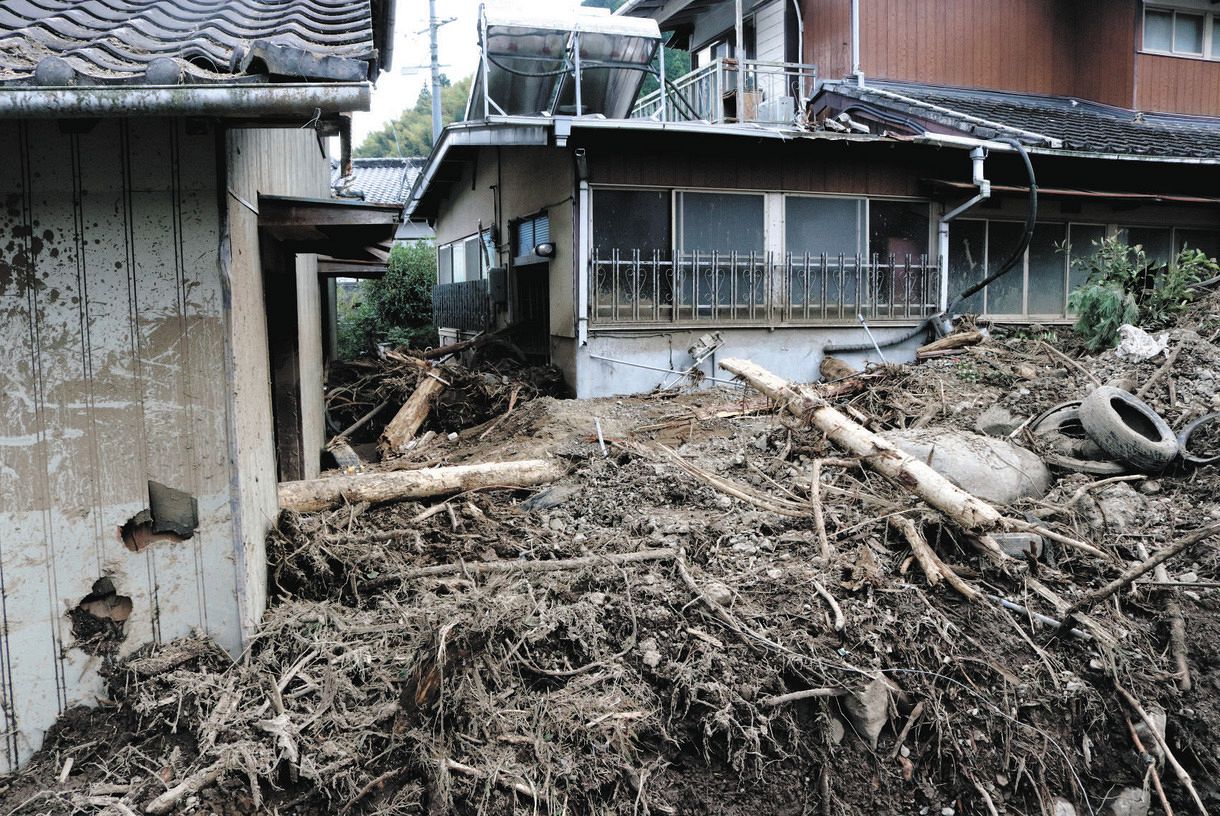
[1186,33]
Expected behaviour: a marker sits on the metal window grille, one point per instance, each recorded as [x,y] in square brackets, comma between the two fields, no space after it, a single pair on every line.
[760,288]
[531,232]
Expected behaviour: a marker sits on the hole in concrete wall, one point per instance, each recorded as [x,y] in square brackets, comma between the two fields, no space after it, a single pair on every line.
[172,515]
[99,621]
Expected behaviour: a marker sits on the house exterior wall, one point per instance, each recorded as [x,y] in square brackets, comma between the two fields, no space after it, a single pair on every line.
[112,364]
[769,31]
[528,179]
[1086,48]
[267,162]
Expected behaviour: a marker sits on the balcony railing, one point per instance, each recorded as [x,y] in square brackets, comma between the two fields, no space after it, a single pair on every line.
[726,91]
[760,288]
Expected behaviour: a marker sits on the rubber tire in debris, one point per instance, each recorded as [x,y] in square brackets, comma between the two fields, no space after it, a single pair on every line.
[1184,441]
[1128,429]
[1061,428]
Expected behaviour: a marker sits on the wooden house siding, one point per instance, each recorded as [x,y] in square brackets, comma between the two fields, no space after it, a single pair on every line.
[1084,48]
[1177,85]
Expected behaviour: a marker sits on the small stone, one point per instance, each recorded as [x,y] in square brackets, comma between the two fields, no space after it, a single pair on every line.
[1150,488]
[1188,577]
[596,598]
[947,811]
[905,751]
[775,574]
[1063,807]
[651,655]
[996,421]
[1132,802]
[718,593]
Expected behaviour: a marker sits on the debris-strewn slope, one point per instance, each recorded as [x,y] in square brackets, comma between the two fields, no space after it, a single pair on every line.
[697,651]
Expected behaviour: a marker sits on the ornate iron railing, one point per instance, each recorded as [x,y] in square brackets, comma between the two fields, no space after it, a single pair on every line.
[759,288]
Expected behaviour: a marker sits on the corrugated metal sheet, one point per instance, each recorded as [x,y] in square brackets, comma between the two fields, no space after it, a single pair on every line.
[109,41]
[112,374]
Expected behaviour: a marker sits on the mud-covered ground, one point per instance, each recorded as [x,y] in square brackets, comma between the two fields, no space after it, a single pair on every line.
[655,671]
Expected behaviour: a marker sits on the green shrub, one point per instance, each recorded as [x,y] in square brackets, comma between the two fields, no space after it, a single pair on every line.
[1124,286]
[396,309]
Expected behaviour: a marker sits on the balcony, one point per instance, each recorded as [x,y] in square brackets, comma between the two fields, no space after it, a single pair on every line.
[727,91]
[714,288]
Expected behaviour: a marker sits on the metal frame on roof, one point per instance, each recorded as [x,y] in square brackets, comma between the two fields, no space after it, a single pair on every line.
[532,64]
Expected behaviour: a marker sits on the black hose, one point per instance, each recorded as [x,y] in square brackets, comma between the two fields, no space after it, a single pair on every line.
[1017,254]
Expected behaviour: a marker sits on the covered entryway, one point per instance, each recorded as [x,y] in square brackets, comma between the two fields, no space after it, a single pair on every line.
[354,240]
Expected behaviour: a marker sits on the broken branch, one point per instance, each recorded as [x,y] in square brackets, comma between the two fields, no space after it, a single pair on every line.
[1177,548]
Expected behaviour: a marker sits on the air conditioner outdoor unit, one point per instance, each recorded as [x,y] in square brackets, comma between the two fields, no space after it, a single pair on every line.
[781,109]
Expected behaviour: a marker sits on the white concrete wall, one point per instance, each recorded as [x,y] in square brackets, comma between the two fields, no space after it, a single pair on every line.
[112,373]
[268,162]
[792,353]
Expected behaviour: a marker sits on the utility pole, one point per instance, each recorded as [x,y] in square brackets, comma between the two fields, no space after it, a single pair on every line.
[433,25]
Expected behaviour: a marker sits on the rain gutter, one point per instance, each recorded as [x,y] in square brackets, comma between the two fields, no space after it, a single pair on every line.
[243,100]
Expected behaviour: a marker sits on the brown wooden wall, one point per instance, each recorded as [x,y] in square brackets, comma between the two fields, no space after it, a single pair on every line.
[1105,69]
[1084,48]
[821,167]
[1177,85]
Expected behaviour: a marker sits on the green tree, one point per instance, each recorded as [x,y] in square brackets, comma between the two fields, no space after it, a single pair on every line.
[411,133]
[395,309]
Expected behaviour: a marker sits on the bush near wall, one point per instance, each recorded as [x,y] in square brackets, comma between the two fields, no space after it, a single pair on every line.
[396,309]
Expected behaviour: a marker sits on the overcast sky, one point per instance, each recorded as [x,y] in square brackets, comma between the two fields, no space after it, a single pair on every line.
[459,52]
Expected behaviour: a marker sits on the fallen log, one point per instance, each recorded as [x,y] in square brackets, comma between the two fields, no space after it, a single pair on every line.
[949,342]
[971,513]
[410,417]
[312,495]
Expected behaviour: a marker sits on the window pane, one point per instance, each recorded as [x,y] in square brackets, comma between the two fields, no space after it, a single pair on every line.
[1215,36]
[967,243]
[1047,270]
[898,228]
[1156,241]
[715,222]
[1188,33]
[829,226]
[474,259]
[1158,30]
[628,220]
[444,266]
[1004,297]
[459,262]
[1205,240]
[1086,239]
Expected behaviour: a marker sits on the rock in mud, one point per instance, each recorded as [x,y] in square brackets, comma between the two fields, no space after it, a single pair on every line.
[992,469]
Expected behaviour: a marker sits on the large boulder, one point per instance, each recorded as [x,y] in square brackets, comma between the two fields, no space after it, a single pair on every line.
[995,470]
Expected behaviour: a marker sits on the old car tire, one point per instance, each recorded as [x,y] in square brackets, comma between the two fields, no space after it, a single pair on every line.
[1184,442]
[1060,427]
[1128,429]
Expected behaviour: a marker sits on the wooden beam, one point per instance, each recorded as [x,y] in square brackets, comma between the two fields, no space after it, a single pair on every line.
[334,268]
[278,211]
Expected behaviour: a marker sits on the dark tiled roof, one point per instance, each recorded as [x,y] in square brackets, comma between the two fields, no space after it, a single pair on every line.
[163,42]
[1079,125]
[378,181]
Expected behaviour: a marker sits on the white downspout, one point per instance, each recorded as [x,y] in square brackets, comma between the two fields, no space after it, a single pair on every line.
[739,52]
[978,178]
[583,260]
[855,43]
